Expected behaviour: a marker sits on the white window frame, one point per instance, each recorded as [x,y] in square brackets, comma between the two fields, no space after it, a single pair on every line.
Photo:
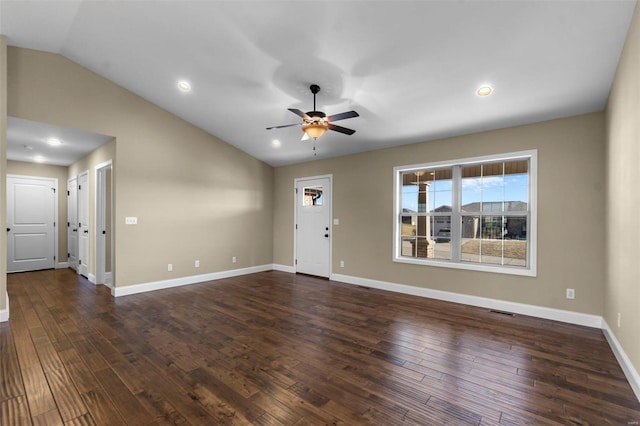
[532,225]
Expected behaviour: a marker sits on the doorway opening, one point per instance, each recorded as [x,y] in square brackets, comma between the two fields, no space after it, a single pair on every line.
[104,224]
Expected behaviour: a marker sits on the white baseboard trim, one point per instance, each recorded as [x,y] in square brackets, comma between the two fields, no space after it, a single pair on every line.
[193,279]
[62,265]
[578,318]
[108,279]
[283,268]
[4,313]
[92,279]
[625,363]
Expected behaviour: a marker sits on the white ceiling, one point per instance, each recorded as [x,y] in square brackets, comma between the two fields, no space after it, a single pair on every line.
[410,68]
[28,141]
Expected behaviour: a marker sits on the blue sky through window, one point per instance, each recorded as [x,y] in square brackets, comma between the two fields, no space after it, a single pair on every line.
[513,187]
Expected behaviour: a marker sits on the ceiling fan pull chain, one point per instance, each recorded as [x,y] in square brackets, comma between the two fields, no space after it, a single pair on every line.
[314,147]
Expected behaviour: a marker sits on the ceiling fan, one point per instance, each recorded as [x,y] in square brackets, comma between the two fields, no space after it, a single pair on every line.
[315,123]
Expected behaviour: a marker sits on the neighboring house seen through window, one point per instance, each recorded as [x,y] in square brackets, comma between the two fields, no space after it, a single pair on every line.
[474,213]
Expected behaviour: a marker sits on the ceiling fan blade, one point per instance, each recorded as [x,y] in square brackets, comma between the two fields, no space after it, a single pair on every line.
[342,116]
[305,137]
[284,125]
[300,113]
[340,129]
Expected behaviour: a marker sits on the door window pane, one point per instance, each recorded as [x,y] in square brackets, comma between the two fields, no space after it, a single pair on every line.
[312,196]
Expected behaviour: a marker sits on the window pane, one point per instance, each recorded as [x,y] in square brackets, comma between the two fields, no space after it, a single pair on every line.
[409,194]
[441,237]
[471,188]
[470,243]
[495,187]
[409,225]
[312,196]
[407,246]
[516,185]
[497,240]
[440,185]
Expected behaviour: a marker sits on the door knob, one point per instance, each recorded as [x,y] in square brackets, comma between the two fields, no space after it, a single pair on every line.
[8,229]
[86,231]
[326,235]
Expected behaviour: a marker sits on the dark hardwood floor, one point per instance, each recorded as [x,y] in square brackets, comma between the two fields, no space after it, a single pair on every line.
[275,348]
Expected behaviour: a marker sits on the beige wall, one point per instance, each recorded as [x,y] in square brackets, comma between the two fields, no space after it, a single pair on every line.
[54,172]
[3,167]
[622,291]
[88,163]
[195,196]
[571,213]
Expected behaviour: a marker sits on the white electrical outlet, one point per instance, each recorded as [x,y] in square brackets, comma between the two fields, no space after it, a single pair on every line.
[130,220]
[342,263]
[336,221]
[619,318]
[170,267]
[571,293]
[234,259]
[197,264]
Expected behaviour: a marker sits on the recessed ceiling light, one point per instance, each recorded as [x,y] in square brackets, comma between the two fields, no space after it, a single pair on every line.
[184,86]
[484,90]
[275,143]
[54,142]
[39,159]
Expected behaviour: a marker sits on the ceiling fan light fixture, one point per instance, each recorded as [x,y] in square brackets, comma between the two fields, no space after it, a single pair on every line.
[314,130]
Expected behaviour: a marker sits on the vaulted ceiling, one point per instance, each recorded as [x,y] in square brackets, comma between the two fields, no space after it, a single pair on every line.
[410,68]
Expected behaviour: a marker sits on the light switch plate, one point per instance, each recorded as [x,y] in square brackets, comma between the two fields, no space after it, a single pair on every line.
[130,220]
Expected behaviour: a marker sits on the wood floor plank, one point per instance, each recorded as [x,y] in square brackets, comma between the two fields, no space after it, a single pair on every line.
[275,348]
[68,400]
[50,418]
[127,404]
[15,411]
[10,377]
[37,390]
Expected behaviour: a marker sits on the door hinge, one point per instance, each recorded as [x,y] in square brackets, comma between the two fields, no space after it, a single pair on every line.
[54,258]
[68,224]
[54,224]
[296,261]
[79,187]
[296,226]
[68,193]
[296,190]
[68,254]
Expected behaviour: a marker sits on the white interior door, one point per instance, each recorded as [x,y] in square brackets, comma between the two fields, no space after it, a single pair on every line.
[72,222]
[31,215]
[83,224]
[313,226]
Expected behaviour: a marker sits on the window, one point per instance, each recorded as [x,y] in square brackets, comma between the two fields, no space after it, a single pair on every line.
[312,196]
[474,213]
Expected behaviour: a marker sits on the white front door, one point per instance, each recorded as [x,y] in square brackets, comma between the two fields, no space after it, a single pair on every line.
[313,226]
[72,222]
[83,224]
[31,219]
